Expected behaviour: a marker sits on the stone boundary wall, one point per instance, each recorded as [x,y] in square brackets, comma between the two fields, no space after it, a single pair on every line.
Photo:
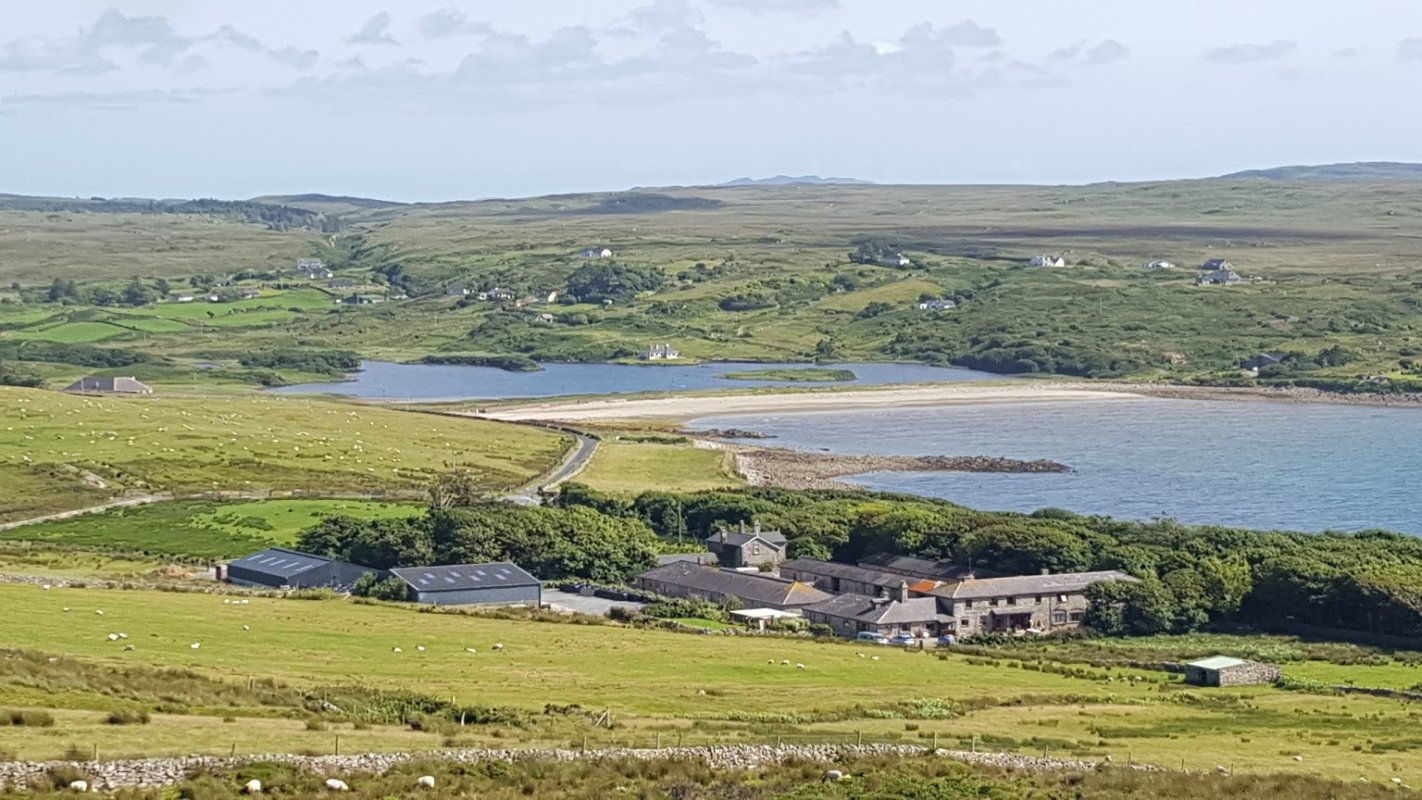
[157,772]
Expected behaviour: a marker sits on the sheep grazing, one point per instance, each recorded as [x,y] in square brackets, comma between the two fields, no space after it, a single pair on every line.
[337,785]
[45,587]
[861,655]
[226,601]
[799,666]
[246,627]
[470,650]
[1298,758]
[396,650]
[123,635]
[99,611]
[253,786]
[128,648]
[113,637]
[425,782]
[498,645]
[873,658]
[771,662]
[420,648]
[66,609]
[834,775]
[784,662]
[79,786]
[195,645]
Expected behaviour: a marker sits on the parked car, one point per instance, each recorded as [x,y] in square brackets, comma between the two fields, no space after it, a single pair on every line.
[904,640]
[947,640]
[872,637]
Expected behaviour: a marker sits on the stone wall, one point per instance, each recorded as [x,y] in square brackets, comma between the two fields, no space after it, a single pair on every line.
[156,772]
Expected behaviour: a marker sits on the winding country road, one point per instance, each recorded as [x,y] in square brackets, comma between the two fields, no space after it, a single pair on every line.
[583,449]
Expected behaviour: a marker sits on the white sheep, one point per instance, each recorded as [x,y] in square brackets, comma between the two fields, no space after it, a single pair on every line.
[122,635]
[834,775]
[470,650]
[799,666]
[113,637]
[195,645]
[873,658]
[45,587]
[498,645]
[253,786]
[425,782]
[99,611]
[128,648]
[66,609]
[337,785]
[396,650]
[784,662]
[79,786]
[420,648]
[246,627]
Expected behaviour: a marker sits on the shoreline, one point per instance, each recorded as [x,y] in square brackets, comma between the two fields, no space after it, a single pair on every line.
[682,408]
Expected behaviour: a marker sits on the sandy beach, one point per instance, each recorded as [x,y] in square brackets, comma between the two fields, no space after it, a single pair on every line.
[687,407]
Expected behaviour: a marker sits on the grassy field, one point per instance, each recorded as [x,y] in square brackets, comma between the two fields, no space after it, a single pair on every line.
[699,687]
[59,448]
[632,467]
[194,529]
[1325,264]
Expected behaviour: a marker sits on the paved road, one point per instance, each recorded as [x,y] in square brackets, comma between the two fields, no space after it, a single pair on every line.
[583,450]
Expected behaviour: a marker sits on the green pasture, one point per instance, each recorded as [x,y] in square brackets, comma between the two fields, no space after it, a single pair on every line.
[632,467]
[202,530]
[54,443]
[702,687]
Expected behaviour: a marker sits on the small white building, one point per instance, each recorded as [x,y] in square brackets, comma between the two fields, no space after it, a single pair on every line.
[597,252]
[660,352]
[1048,261]
[1155,266]
[937,305]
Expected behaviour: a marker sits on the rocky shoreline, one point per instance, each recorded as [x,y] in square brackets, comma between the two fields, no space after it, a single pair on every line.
[798,469]
[159,772]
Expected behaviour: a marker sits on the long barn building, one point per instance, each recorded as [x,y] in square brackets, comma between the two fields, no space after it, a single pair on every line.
[471,584]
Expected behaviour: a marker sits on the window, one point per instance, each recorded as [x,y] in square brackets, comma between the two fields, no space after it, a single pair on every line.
[1039,598]
[997,601]
[1075,616]
[967,604]
[1059,617]
[965,623]
[1061,598]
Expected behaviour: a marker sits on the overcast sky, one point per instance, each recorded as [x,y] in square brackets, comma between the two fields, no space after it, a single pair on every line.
[445,99]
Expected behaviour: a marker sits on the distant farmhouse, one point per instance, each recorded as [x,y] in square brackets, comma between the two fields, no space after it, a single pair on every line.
[457,292]
[742,548]
[471,584]
[93,383]
[342,283]
[1220,277]
[937,305]
[495,293]
[363,299]
[1253,365]
[312,268]
[1216,264]
[278,567]
[896,260]
[1229,671]
[1048,261]
[897,594]
[597,252]
[183,298]
[1156,266]
[660,352]
[683,579]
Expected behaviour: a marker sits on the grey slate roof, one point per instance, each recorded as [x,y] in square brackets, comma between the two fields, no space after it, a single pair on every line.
[918,567]
[1021,585]
[280,562]
[743,538]
[1218,662]
[878,611]
[1215,263]
[459,577]
[749,587]
[694,558]
[834,569]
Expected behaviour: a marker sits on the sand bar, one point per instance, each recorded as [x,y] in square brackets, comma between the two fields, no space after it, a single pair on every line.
[689,407]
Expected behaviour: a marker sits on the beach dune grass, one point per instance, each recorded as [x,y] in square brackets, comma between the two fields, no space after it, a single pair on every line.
[805,375]
[632,467]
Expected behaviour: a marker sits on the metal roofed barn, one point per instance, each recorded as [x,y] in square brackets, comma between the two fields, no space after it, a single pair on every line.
[471,584]
[277,567]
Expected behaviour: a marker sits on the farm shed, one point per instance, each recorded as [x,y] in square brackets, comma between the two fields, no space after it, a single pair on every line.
[471,584]
[1229,671]
[277,567]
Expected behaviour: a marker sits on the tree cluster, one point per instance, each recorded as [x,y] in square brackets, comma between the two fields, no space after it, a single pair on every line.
[594,283]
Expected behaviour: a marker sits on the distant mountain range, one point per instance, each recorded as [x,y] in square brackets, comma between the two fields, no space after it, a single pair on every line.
[796,180]
[1356,171]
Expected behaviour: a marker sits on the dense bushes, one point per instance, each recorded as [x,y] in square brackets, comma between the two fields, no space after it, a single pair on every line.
[84,355]
[326,362]
[1193,575]
[548,542]
[510,363]
[595,283]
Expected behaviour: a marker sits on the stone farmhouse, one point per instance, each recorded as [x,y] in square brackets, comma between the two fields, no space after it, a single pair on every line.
[1044,602]
[683,579]
[741,548]
[1228,671]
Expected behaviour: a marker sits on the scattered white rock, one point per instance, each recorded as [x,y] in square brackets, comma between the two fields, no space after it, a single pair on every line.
[873,658]
[128,647]
[122,635]
[784,662]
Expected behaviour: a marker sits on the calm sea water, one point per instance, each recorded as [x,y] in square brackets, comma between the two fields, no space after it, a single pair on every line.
[382,380]
[1258,465]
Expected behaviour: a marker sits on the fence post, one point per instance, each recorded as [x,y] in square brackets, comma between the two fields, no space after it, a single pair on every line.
[659,740]
[935,740]
[96,752]
[859,738]
[975,743]
[585,743]
[233,754]
[338,744]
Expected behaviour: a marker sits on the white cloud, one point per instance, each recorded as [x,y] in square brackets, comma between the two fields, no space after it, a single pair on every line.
[1108,51]
[1251,53]
[113,101]
[1409,50]
[785,6]
[374,31]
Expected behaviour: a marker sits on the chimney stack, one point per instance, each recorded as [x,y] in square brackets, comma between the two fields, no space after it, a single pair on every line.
[903,591]
[757,526]
[723,536]
[743,526]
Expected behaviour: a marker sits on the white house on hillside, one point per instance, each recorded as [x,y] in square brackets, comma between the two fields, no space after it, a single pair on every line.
[1048,261]
[660,352]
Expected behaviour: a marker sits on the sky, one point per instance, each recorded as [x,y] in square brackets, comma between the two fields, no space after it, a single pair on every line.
[427,100]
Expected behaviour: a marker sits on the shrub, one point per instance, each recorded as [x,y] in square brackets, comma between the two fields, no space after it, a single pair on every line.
[26,719]
[127,718]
